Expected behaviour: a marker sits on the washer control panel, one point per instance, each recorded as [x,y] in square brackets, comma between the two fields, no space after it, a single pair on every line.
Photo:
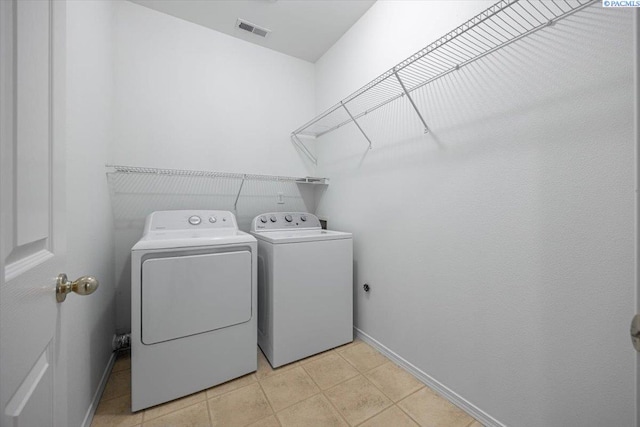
[190,220]
[273,221]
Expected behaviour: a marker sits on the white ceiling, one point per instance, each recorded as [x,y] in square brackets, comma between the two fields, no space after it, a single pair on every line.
[305,29]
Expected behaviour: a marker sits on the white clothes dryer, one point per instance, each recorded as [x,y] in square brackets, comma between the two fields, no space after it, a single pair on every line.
[305,286]
[193,305]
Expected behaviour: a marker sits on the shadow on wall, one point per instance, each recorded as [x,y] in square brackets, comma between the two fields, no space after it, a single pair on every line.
[464,109]
[134,196]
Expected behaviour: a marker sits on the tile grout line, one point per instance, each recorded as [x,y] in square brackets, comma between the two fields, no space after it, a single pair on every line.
[338,383]
[323,354]
[377,388]
[327,397]
[226,392]
[382,391]
[102,398]
[408,414]
[336,409]
[367,370]
[367,379]
[473,421]
[176,410]
[287,407]
[361,373]
[385,409]
[206,401]
[144,412]
[267,399]
[374,386]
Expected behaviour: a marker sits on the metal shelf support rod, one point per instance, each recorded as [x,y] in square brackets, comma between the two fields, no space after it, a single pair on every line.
[356,122]
[235,204]
[413,104]
[303,148]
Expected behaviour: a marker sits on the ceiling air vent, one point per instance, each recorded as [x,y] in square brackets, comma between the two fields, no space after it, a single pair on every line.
[248,26]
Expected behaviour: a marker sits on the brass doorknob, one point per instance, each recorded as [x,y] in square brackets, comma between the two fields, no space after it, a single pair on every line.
[84,285]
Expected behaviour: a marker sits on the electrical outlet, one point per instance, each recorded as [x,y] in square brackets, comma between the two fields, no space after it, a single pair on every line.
[280,199]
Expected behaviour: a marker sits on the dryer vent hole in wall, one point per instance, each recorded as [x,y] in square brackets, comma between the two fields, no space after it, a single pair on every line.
[121,342]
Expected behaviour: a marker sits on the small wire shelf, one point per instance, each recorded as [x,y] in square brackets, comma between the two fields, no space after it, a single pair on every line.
[496,27]
[211,174]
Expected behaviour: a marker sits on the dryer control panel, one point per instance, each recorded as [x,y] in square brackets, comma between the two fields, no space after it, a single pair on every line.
[190,220]
[273,221]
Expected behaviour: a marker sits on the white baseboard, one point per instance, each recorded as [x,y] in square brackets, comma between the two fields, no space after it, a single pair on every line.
[484,418]
[98,394]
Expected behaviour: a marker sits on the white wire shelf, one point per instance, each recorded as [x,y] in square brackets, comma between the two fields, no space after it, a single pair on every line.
[211,174]
[496,27]
[137,191]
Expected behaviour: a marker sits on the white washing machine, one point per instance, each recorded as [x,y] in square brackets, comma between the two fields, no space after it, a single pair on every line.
[193,305]
[305,286]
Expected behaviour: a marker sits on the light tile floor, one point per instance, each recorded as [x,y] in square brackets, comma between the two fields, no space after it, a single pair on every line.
[352,385]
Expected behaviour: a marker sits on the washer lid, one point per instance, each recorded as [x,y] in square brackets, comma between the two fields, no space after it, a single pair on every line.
[298,236]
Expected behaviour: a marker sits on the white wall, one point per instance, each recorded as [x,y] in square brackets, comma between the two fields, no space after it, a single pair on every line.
[500,247]
[193,98]
[188,97]
[89,321]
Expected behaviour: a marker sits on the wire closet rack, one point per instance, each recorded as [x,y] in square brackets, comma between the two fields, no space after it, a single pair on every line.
[239,178]
[505,22]
[212,174]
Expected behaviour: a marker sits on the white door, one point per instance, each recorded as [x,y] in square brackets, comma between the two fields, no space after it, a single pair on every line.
[32,365]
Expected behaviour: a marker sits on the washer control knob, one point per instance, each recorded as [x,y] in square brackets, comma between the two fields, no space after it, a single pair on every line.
[194,220]
[212,219]
[263,219]
[288,218]
[273,218]
[303,217]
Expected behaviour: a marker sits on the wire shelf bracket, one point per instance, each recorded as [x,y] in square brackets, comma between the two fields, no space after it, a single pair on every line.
[356,122]
[413,104]
[503,23]
[303,148]
[235,203]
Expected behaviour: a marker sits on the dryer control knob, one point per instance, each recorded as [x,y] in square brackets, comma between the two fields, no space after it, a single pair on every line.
[212,219]
[288,218]
[263,219]
[194,220]
[303,217]
[273,218]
